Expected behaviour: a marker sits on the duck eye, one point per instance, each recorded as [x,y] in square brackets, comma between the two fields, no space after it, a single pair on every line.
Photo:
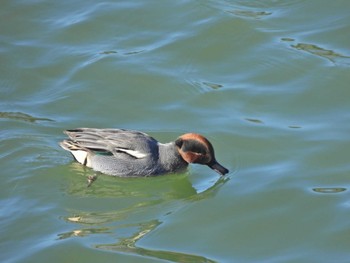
[179,142]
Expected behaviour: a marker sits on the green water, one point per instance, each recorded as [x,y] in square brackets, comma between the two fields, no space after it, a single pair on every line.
[266,81]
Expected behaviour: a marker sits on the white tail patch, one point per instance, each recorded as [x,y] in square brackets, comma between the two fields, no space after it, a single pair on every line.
[80,156]
[136,154]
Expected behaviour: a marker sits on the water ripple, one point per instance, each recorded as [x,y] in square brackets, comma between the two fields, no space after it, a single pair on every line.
[329,190]
[333,56]
[22,116]
[128,245]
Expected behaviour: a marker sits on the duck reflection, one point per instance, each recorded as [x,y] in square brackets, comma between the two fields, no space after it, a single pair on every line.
[168,187]
[131,208]
[128,245]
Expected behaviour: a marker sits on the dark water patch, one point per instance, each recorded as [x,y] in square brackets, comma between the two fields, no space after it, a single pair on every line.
[287,39]
[250,13]
[133,52]
[126,53]
[83,232]
[212,85]
[108,52]
[254,120]
[206,85]
[319,51]
[333,56]
[22,117]
[259,121]
[246,9]
[329,190]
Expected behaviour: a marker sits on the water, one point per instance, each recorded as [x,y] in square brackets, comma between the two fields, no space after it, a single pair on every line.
[267,82]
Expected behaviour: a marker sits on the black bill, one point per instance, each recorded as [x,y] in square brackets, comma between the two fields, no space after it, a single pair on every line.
[218,168]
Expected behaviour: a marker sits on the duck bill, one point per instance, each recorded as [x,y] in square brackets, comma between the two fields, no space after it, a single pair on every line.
[218,168]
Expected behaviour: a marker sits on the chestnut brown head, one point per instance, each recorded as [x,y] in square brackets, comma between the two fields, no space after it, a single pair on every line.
[195,148]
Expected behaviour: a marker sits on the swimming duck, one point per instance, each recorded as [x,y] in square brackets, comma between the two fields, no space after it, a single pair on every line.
[121,152]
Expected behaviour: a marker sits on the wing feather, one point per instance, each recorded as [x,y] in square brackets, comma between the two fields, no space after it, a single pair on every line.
[133,143]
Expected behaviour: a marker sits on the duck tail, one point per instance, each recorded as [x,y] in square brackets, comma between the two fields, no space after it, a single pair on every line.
[69,145]
[80,154]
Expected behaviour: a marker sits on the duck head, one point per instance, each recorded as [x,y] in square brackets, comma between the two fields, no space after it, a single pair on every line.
[195,148]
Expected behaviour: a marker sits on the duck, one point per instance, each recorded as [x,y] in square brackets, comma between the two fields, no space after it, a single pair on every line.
[130,153]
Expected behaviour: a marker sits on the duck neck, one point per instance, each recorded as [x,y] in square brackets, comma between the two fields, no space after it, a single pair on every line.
[170,158]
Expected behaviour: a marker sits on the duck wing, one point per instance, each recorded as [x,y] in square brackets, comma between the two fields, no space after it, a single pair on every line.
[135,144]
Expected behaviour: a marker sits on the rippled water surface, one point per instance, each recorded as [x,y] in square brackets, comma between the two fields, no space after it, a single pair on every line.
[266,81]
